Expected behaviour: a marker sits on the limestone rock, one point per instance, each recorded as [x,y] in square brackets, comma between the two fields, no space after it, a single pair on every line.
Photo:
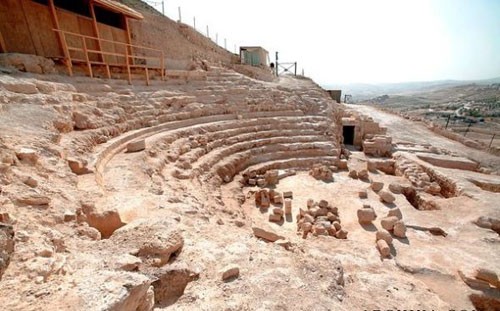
[27,155]
[266,233]
[33,198]
[284,243]
[79,167]
[366,215]
[288,207]
[126,262]
[433,188]
[278,199]
[271,177]
[288,195]
[110,290]
[395,212]
[321,172]
[136,146]
[275,217]
[388,222]
[323,204]
[400,229]
[336,225]
[230,272]
[386,196]
[488,276]
[395,188]
[341,234]
[363,174]
[149,239]
[69,216]
[92,233]
[377,186]
[342,164]
[278,211]
[363,194]
[353,174]
[262,198]
[170,283]
[6,246]
[383,248]
[106,221]
[383,235]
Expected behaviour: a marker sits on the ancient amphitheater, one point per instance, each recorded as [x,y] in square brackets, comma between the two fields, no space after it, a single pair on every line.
[214,190]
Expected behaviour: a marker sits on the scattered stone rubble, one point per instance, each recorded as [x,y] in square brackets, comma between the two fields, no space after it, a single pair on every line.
[322,172]
[320,218]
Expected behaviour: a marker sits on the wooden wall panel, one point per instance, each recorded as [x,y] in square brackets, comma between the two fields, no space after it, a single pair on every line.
[15,28]
[69,22]
[106,33]
[119,35]
[87,29]
[40,25]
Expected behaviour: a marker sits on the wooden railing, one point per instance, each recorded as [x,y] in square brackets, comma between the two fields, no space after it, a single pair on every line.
[122,55]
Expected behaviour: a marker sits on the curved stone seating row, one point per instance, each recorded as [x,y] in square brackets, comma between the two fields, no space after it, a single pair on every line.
[187,145]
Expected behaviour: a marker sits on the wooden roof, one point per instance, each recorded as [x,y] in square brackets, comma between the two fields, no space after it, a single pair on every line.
[118,8]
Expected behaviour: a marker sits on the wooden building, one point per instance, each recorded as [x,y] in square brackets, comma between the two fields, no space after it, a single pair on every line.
[89,33]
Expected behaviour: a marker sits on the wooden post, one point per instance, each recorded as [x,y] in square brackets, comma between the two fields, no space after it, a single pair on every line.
[492,138]
[277,70]
[86,52]
[3,46]
[180,16]
[147,75]
[96,30]
[162,63]
[128,66]
[55,23]
[447,121]
[129,38]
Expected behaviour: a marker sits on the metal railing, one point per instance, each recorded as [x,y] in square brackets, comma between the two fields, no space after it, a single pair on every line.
[132,56]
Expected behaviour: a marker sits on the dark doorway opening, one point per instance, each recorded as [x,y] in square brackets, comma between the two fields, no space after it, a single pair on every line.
[348,134]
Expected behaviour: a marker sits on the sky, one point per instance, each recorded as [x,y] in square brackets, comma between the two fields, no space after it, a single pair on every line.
[358,41]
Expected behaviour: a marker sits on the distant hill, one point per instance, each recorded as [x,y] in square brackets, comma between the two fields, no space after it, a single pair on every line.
[363,91]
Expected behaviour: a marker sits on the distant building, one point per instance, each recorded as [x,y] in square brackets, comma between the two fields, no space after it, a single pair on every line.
[254,55]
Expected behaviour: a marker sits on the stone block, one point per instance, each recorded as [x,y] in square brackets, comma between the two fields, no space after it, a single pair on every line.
[388,222]
[377,186]
[288,206]
[383,248]
[230,272]
[383,235]
[136,146]
[288,195]
[366,215]
[386,196]
[399,229]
